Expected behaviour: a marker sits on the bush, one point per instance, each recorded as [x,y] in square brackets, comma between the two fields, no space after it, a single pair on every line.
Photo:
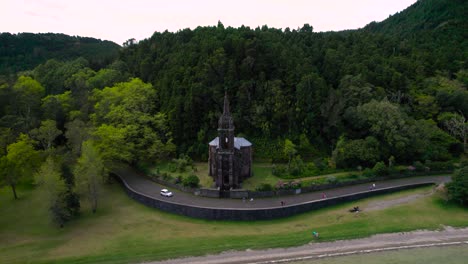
[181,164]
[191,181]
[279,170]
[368,173]
[178,179]
[332,180]
[265,187]
[297,167]
[458,188]
[380,169]
[320,163]
[440,165]
[166,177]
[419,166]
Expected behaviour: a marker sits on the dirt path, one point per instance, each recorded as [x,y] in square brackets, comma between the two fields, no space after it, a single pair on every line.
[381,242]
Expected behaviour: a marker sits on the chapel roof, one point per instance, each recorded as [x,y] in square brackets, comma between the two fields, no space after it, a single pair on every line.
[239,142]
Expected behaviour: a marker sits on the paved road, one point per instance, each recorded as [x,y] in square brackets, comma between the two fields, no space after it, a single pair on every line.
[147,187]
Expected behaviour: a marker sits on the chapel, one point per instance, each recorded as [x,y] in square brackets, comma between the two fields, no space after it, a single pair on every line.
[230,157]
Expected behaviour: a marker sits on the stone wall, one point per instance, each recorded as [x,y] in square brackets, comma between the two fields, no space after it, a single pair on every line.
[253,214]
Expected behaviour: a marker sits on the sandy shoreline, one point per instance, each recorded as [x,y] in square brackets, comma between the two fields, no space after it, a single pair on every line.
[421,238]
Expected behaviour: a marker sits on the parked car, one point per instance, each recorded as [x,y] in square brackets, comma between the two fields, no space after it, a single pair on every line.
[166,192]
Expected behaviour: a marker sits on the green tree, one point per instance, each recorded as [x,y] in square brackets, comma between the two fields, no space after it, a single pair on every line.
[53,187]
[129,127]
[46,133]
[113,144]
[191,181]
[20,162]
[456,125]
[27,100]
[458,187]
[289,150]
[76,132]
[358,152]
[89,173]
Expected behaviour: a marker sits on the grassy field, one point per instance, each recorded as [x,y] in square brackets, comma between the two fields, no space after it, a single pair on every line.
[124,231]
[433,255]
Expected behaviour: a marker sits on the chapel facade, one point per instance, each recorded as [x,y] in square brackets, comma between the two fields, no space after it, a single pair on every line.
[230,157]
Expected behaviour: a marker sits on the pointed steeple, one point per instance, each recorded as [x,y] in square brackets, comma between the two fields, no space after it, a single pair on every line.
[225,120]
[226,110]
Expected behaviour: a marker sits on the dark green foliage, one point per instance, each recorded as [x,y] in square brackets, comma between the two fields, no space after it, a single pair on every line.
[380,169]
[181,164]
[458,188]
[359,97]
[191,181]
[265,187]
[24,51]
[316,86]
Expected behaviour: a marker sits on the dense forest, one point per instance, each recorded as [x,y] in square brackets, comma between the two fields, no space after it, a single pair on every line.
[24,51]
[391,92]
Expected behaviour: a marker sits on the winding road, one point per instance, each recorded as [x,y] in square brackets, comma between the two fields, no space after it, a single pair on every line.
[145,186]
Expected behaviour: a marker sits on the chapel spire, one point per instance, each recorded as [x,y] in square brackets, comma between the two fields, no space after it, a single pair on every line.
[226,110]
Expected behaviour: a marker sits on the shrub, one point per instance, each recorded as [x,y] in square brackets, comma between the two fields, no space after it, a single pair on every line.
[380,169]
[332,180]
[279,170]
[311,169]
[320,163]
[419,166]
[181,164]
[191,181]
[368,173]
[265,187]
[458,188]
[440,165]
[166,176]
[297,166]
[178,179]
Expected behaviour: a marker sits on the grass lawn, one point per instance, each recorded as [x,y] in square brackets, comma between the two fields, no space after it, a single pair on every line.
[261,174]
[125,231]
[201,170]
[432,255]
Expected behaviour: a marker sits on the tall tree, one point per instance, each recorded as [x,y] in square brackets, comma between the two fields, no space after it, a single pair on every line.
[53,187]
[458,188]
[27,100]
[457,126]
[46,133]
[89,173]
[76,133]
[289,150]
[20,162]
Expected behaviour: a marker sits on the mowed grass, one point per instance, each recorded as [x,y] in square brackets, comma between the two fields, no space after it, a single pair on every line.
[124,231]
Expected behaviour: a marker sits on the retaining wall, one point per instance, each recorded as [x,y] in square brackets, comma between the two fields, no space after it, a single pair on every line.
[253,214]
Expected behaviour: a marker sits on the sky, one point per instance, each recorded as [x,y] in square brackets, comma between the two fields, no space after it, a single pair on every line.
[120,20]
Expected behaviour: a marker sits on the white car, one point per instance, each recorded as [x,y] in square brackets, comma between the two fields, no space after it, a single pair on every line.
[166,192]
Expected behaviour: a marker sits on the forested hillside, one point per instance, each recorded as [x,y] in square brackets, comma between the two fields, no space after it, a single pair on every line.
[394,90]
[392,93]
[369,94]
[24,51]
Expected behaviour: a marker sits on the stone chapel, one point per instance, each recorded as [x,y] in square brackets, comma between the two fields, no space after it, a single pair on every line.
[230,158]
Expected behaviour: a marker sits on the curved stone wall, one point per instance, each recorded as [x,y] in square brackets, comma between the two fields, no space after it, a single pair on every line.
[253,214]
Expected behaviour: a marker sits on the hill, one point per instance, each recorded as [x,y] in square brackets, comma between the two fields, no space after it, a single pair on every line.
[292,82]
[431,16]
[24,51]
